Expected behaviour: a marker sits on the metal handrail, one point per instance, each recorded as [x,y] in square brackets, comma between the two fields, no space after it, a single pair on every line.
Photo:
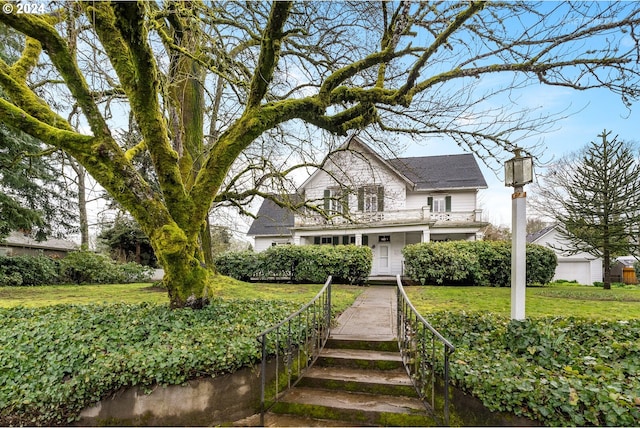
[420,361]
[295,343]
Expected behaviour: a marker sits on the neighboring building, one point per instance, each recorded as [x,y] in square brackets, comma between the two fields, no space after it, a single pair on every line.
[383,203]
[19,244]
[582,267]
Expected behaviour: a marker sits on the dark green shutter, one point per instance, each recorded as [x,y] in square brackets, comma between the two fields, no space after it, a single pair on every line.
[327,201]
[380,198]
[345,240]
[336,240]
[316,240]
[430,203]
[447,204]
[361,199]
[345,202]
[365,239]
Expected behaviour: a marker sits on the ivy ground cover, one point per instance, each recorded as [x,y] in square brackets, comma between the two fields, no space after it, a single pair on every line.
[562,369]
[56,360]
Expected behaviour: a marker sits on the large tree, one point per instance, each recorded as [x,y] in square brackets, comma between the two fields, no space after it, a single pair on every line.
[594,195]
[224,92]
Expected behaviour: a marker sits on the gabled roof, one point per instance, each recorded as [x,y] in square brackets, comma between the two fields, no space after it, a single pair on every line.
[272,220]
[444,172]
[533,237]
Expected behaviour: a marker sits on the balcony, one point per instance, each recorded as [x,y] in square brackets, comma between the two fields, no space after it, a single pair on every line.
[423,215]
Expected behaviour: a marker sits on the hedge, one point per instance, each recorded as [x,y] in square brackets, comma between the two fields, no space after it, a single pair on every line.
[299,264]
[79,267]
[479,263]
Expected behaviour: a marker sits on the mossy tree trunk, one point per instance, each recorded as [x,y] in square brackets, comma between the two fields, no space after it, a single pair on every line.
[156,58]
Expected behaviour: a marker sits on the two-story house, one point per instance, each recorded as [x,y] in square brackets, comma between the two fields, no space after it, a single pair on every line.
[386,204]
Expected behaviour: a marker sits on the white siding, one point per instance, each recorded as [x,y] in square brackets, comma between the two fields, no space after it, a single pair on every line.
[460,201]
[581,267]
[361,172]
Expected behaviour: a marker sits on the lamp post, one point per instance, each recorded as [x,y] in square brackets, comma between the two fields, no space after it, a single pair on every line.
[518,171]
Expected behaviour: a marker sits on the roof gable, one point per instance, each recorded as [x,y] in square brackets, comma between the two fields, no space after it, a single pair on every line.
[272,219]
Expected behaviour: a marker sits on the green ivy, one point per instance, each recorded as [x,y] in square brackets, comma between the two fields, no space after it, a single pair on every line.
[559,371]
[58,360]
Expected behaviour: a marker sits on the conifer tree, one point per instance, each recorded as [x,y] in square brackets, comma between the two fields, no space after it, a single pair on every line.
[595,198]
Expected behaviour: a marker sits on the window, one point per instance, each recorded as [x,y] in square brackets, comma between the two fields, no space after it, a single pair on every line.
[440,204]
[371,199]
[336,201]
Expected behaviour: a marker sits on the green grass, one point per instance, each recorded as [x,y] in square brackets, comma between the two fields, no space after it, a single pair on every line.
[224,287]
[554,300]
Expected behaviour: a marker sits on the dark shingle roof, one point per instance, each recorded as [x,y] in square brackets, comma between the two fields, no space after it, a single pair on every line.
[272,220]
[533,237]
[441,172]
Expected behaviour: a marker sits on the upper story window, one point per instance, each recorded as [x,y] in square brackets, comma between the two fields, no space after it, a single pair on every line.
[371,199]
[439,204]
[336,201]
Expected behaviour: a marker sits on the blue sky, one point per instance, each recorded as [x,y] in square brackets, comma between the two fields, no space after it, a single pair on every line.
[590,113]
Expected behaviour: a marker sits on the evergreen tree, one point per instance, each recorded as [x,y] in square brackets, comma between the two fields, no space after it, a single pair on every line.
[595,197]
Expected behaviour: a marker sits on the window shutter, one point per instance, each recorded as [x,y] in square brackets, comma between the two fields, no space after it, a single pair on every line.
[345,240]
[430,203]
[336,240]
[345,202]
[380,198]
[316,240]
[365,239]
[361,199]
[327,200]
[447,203]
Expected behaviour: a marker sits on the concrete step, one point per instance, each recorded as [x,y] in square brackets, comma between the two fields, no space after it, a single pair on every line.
[387,382]
[358,358]
[360,408]
[368,345]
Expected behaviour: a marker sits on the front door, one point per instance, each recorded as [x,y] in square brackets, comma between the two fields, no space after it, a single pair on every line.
[384,259]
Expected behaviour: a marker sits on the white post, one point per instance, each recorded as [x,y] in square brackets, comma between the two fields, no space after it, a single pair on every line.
[518,253]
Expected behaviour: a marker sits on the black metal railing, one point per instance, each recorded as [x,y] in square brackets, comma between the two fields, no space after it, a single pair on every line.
[292,346]
[419,343]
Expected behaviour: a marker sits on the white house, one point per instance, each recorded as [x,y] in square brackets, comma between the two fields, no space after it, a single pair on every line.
[582,267]
[383,203]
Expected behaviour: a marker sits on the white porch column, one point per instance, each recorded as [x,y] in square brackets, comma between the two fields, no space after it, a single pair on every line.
[358,239]
[426,235]
[296,239]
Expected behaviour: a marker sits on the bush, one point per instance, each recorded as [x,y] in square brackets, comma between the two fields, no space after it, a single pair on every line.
[302,264]
[86,267]
[28,270]
[480,263]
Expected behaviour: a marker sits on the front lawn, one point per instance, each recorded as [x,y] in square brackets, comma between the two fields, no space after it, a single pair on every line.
[57,359]
[555,300]
[574,361]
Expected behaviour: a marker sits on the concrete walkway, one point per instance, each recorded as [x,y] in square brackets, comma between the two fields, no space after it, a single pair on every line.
[373,316]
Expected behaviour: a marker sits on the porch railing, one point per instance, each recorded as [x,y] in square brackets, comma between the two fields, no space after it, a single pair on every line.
[425,354]
[293,345]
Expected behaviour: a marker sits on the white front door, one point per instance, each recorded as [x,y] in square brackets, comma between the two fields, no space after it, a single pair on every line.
[384,259]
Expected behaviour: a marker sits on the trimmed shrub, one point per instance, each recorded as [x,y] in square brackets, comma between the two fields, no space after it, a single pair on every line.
[86,267]
[302,264]
[480,263]
[28,270]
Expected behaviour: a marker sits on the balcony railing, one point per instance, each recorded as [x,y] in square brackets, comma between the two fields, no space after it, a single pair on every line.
[425,354]
[395,216]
